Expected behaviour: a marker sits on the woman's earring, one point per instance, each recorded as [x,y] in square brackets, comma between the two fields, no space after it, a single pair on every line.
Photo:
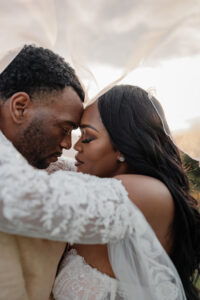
[121,158]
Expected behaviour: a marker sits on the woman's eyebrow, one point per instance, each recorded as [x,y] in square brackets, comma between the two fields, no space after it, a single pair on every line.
[89,126]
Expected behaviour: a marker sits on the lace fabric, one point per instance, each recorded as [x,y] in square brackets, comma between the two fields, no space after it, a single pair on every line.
[77,280]
[63,163]
[142,267]
[78,208]
[64,206]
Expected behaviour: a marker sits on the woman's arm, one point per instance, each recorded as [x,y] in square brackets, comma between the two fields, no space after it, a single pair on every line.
[64,206]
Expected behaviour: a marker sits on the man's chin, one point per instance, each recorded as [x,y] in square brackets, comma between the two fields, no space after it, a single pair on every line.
[42,164]
[51,159]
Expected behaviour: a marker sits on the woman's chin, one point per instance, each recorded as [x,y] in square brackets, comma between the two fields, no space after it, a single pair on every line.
[80,168]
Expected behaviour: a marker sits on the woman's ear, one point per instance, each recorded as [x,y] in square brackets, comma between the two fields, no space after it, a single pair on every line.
[19,105]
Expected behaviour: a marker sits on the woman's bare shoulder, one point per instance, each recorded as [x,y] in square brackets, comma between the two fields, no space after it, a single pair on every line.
[153,198]
[145,187]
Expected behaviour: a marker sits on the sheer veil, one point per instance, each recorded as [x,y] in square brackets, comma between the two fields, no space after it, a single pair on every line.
[143,267]
[114,42]
[110,42]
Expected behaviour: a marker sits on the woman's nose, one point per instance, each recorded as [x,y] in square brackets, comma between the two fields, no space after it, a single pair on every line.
[78,145]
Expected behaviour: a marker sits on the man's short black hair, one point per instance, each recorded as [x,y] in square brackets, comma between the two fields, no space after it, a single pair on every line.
[36,70]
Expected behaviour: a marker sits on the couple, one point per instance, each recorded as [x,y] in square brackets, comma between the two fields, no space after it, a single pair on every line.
[122,136]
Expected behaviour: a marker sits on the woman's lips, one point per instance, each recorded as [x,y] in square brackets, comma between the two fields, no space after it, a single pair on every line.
[78,162]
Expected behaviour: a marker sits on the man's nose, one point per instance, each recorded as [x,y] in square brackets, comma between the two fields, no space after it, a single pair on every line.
[66,143]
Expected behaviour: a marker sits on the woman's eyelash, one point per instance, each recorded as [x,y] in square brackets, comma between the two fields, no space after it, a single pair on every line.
[85,141]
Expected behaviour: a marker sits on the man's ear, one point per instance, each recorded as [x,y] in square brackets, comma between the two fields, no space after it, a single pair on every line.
[19,104]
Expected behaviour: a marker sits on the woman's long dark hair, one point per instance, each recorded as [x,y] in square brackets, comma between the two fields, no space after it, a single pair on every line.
[137,131]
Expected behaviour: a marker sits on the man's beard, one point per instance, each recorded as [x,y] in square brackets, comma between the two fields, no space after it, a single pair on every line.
[33,144]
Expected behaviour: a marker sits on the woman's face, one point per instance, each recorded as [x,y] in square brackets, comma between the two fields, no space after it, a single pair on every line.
[96,154]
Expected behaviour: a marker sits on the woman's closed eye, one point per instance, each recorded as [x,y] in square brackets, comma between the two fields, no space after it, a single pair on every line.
[85,141]
[86,137]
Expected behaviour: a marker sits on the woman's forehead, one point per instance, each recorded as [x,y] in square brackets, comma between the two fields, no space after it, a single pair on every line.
[90,112]
[91,116]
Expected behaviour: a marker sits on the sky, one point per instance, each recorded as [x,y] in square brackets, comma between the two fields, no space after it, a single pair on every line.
[156,42]
[174,82]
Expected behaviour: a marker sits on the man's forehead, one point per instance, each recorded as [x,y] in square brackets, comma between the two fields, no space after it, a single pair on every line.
[67,98]
[69,114]
[67,95]
[63,106]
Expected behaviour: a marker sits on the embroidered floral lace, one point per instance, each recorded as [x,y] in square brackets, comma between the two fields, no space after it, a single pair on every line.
[65,206]
[77,280]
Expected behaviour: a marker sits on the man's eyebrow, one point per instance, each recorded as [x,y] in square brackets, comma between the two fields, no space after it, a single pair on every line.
[89,126]
[74,125]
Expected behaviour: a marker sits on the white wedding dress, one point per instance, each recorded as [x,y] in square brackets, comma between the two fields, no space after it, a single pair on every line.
[77,280]
[78,208]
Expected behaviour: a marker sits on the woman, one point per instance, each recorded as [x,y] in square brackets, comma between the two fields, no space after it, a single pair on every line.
[122,136]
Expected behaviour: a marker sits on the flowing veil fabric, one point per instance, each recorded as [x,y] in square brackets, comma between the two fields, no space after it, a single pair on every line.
[114,38]
[142,266]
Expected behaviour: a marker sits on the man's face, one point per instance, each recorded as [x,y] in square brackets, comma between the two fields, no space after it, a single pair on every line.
[44,135]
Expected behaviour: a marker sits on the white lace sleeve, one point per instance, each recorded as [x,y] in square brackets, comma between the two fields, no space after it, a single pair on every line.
[65,206]
[63,163]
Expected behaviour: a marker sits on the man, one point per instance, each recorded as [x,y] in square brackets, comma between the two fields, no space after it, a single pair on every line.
[40,103]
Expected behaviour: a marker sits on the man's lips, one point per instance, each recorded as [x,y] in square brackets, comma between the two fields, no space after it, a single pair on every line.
[57,154]
[78,162]
[54,157]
